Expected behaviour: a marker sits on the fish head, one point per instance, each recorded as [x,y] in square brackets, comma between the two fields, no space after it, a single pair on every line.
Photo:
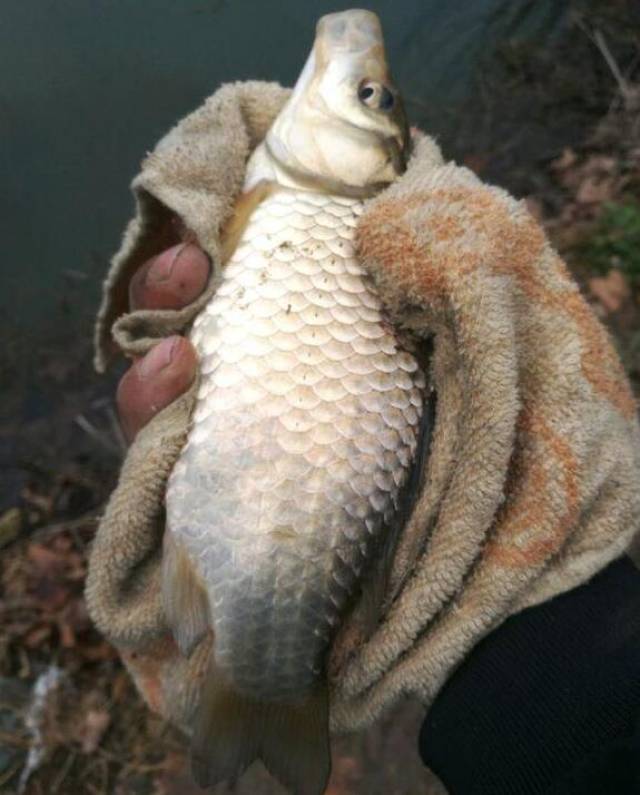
[344,126]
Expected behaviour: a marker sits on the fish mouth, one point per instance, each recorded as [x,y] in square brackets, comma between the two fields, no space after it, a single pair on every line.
[355,30]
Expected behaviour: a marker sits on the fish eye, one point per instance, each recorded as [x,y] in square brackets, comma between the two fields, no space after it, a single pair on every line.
[375,95]
[365,92]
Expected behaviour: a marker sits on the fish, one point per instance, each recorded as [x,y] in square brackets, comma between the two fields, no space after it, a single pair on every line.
[306,427]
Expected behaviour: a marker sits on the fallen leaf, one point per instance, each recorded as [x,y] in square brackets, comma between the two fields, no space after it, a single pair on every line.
[96,723]
[62,543]
[73,621]
[175,777]
[476,161]
[535,207]
[37,636]
[10,526]
[43,503]
[50,593]
[67,635]
[567,159]
[611,290]
[99,652]
[120,686]
[595,190]
[44,558]
[345,774]
[599,165]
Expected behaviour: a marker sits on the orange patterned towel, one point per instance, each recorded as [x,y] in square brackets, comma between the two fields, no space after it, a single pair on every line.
[531,485]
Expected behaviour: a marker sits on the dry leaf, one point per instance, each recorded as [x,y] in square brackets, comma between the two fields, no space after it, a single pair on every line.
[611,290]
[120,686]
[36,637]
[44,558]
[476,161]
[535,207]
[595,190]
[10,526]
[96,723]
[345,774]
[175,778]
[566,160]
[599,165]
[99,652]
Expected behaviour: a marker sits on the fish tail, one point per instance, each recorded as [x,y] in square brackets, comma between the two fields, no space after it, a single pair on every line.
[230,730]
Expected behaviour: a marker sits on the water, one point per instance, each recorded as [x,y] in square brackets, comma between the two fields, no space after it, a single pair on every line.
[87,87]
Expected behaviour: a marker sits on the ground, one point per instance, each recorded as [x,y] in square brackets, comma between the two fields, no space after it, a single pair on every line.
[70,720]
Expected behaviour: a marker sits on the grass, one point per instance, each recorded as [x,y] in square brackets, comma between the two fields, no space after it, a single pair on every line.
[615,241]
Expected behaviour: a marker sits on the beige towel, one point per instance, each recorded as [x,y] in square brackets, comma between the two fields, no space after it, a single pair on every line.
[532,482]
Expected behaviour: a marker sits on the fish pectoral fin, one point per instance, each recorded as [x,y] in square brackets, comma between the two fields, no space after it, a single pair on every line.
[246,204]
[184,597]
[230,730]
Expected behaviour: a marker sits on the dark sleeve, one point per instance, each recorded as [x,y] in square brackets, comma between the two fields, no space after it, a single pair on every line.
[549,703]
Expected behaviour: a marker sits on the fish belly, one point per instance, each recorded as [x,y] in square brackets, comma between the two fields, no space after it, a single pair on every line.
[304,432]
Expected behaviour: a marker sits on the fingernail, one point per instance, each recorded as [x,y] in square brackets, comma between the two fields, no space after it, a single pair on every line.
[158,358]
[161,269]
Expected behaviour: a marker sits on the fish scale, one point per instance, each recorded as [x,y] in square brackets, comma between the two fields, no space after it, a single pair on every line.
[304,432]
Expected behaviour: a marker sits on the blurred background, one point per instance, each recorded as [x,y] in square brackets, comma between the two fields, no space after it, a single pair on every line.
[541,97]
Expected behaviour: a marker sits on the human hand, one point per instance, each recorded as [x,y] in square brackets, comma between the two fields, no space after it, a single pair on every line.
[171,280]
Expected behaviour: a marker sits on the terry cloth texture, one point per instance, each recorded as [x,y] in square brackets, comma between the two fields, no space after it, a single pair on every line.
[531,484]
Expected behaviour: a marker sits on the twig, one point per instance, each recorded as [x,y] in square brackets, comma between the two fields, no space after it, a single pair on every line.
[95,434]
[147,768]
[116,429]
[627,91]
[50,530]
[14,739]
[601,44]
[108,756]
[104,779]
[9,774]
[71,758]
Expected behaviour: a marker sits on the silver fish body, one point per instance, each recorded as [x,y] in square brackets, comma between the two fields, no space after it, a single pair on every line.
[304,432]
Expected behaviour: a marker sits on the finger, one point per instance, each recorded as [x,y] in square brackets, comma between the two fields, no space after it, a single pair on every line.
[173,279]
[153,382]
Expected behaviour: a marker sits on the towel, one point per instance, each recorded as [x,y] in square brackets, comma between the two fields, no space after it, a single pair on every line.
[532,478]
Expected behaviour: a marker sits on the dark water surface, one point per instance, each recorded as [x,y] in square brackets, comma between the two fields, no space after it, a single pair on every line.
[87,86]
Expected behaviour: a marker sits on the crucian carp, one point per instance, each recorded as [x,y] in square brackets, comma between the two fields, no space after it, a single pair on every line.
[306,427]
